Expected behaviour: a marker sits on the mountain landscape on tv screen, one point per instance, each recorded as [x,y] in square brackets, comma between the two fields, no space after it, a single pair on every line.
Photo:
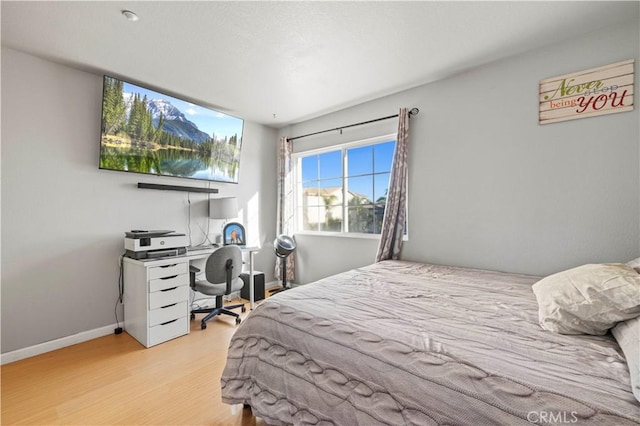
[154,136]
[174,121]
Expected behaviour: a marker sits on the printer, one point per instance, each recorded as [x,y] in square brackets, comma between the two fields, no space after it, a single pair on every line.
[140,244]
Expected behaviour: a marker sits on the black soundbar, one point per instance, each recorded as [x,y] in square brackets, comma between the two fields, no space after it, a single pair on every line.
[177,188]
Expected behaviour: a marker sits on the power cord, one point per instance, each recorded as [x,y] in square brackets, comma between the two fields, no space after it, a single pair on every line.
[189,217]
[118,329]
[205,233]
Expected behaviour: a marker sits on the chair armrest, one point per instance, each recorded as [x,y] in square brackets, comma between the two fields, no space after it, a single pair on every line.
[192,275]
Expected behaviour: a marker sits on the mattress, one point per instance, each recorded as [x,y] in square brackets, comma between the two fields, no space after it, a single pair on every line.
[408,343]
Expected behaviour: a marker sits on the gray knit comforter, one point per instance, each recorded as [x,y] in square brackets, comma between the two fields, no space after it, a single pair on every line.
[407,343]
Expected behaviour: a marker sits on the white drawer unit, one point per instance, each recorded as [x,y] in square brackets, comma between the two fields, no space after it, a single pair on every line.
[168,270]
[168,330]
[156,299]
[168,297]
[166,314]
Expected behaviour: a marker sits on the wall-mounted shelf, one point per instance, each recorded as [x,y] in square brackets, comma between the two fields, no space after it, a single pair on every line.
[177,188]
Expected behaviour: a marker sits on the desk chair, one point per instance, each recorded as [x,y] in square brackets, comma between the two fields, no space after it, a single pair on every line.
[222,273]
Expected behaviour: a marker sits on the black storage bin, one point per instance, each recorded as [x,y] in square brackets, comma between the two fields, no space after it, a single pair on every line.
[258,286]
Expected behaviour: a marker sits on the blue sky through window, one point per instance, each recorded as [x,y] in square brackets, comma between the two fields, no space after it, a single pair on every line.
[383,156]
[360,160]
[330,165]
[325,170]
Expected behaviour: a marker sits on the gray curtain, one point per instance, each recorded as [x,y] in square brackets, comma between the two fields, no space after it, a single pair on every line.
[395,212]
[284,212]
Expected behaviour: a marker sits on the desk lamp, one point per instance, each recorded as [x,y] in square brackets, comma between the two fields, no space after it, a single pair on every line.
[223,208]
[283,246]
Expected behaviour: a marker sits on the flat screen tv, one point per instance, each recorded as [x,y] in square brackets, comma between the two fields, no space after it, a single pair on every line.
[144,131]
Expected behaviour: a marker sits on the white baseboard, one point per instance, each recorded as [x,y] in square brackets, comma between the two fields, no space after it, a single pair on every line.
[271,284]
[236,294]
[63,342]
[52,345]
[278,284]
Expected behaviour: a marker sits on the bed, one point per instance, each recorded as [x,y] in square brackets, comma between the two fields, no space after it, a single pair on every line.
[408,343]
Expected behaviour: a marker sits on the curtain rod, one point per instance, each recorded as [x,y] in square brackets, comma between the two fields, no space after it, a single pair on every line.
[413,111]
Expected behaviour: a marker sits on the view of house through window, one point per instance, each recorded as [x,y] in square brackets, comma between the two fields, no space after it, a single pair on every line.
[350,181]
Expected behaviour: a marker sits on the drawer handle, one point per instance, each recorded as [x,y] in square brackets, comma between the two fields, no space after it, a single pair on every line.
[169,278]
[168,266]
[169,289]
[169,322]
[168,306]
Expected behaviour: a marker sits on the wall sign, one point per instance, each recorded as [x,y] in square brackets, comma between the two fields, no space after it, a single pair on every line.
[597,91]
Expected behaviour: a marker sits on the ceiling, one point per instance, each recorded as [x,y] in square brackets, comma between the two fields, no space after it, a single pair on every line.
[278,63]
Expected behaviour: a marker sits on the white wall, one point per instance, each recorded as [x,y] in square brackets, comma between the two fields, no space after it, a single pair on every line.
[63,219]
[491,188]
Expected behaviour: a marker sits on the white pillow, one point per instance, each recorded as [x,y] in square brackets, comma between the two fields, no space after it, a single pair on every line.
[589,299]
[635,264]
[627,334]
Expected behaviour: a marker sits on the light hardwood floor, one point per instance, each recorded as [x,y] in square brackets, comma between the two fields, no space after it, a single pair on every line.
[114,380]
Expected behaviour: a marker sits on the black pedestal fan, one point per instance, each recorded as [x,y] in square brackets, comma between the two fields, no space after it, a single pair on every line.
[283,246]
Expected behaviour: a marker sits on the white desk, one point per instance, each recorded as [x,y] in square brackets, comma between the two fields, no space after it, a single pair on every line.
[156,295]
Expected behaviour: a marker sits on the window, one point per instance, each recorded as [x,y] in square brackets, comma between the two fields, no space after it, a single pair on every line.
[348,181]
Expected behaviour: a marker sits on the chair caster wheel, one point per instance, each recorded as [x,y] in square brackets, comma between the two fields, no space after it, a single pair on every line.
[238,320]
[243,309]
[203,326]
[193,316]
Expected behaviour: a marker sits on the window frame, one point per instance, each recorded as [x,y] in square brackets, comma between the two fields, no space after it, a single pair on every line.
[296,158]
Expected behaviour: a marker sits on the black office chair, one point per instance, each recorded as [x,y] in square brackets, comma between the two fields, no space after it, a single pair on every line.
[222,273]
